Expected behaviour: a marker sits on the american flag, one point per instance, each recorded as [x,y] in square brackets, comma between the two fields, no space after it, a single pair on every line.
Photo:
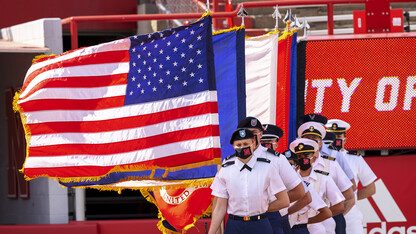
[139,103]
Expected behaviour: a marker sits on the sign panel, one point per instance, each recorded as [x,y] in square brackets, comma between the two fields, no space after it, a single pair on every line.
[370,83]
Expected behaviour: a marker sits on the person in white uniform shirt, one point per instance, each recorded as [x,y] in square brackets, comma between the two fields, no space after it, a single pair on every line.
[280,219]
[316,131]
[290,179]
[362,173]
[298,211]
[308,152]
[325,150]
[242,188]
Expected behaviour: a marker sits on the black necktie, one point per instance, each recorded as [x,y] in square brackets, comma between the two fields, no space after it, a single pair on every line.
[246,167]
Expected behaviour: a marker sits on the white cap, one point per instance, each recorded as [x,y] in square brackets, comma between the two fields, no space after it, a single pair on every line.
[337,125]
[312,128]
[303,145]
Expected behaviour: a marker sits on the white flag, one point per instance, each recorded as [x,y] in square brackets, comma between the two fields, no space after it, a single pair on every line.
[261,75]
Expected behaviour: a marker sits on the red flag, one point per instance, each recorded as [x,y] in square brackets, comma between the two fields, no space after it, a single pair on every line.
[179,209]
[283,88]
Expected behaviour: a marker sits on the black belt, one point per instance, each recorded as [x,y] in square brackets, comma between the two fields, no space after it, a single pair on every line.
[248,218]
[299,226]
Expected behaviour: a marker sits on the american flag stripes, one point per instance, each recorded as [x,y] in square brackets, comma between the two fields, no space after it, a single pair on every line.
[139,103]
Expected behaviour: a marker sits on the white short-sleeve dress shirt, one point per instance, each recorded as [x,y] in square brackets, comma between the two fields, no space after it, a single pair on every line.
[334,170]
[247,191]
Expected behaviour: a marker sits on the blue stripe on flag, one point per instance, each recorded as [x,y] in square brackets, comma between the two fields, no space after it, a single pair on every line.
[293,86]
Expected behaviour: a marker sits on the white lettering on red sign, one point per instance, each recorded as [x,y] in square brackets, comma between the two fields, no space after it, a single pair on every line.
[394,82]
[321,85]
[380,104]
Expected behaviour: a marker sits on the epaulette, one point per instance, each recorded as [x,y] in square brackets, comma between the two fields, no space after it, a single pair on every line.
[322,172]
[229,157]
[354,153]
[307,183]
[273,152]
[226,164]
[328,157]
[263,160]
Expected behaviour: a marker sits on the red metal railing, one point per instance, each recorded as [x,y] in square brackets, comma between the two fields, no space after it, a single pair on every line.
[74,20]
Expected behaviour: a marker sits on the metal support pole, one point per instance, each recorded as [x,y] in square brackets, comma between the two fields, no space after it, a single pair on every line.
[74,34]
[215,8]
[80,204]
[330,9]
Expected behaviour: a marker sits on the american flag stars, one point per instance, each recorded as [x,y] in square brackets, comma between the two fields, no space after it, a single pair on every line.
[167,66]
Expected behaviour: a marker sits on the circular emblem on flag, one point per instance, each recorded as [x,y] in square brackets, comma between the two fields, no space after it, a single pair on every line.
[287,154]
[253,122]
[311,128]
[242,133]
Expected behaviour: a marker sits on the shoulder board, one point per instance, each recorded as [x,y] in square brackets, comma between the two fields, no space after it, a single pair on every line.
[228,163]
[353,153]
[328,157]
[263,160]
[273,152]
[229,157]
[307,183]
[322,172]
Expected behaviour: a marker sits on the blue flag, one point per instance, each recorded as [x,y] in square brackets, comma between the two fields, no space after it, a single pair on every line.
[293,87]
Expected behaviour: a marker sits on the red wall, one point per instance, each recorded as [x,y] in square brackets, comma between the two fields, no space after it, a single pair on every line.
[20,11]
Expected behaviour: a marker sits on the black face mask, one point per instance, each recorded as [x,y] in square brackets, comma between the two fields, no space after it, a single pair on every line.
[267,145]
[304,163]
[338,144]
[243,153]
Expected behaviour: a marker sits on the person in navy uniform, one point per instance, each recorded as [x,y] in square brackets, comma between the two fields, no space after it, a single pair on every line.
[362,173]
[242,186]
[280,219]
[330,153]
[316,131]
[317,216]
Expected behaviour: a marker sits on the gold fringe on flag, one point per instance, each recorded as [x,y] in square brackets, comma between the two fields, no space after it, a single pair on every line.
[40,58]
[23,118]
[176,184]
[160,225]
[235,28]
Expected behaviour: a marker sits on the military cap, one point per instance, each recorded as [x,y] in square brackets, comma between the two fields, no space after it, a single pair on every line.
[337,126]
[250,122]
[315,118]
[271,132]
[241,134]
[303,145]
[329,137]
[312,128]
[290,155]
